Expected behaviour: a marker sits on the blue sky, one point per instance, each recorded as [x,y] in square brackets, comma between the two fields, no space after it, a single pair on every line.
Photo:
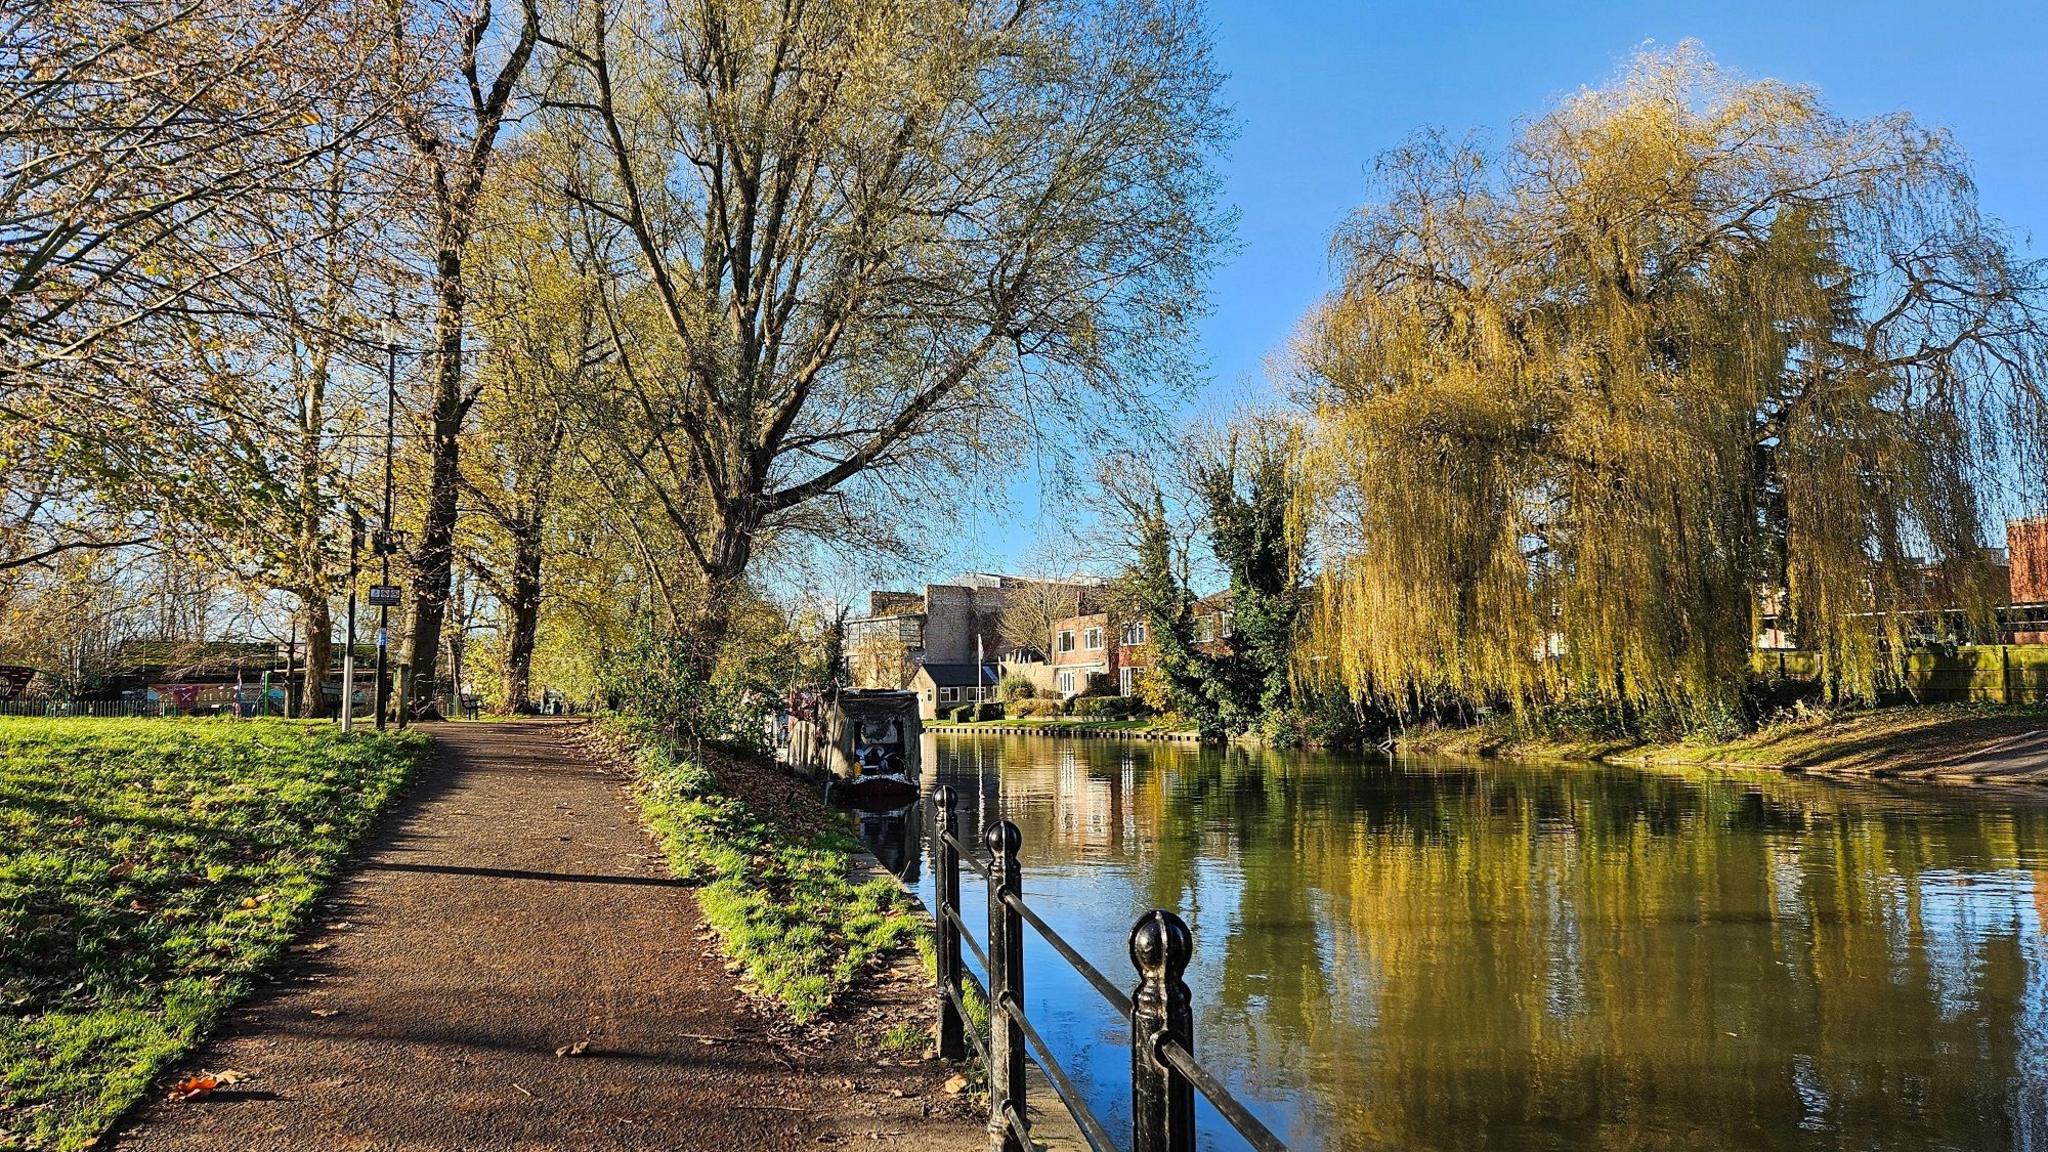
[1321,88]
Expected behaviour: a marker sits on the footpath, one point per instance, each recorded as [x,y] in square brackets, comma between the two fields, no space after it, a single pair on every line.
[512,968]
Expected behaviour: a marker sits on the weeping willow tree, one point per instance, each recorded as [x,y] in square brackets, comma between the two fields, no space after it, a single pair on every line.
[1690,341]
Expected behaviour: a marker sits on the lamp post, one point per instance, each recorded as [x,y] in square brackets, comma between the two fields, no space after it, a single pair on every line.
[384,537]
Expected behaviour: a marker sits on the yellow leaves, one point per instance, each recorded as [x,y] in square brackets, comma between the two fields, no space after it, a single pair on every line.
[1538,392]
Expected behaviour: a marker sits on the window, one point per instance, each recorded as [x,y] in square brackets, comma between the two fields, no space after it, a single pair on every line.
[1066,643]
[1092,639]
[949,695]
[1134,634]
[1127,681]
[1205,630]
[1066,683]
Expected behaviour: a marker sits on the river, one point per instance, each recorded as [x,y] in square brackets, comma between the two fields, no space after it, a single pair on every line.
[1436,955]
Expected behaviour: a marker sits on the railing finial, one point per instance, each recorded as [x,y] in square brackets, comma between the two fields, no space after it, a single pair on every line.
[1162,1010]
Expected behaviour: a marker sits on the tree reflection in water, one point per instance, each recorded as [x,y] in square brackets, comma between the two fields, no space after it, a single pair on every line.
[1441,955]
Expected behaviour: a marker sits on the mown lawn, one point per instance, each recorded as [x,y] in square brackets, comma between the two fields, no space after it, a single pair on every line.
[150,870]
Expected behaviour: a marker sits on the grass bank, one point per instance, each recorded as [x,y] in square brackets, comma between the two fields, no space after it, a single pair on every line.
[1954,742]
[150,871]
[779,873]
[1069,724]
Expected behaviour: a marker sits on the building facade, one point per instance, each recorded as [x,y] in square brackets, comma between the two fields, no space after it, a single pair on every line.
[955,623]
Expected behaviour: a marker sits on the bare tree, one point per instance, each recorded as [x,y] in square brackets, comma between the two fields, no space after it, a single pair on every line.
[125,131]
[452,105]
[867,243]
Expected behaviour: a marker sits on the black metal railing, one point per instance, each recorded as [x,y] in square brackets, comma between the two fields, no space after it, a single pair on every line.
[1164,1072]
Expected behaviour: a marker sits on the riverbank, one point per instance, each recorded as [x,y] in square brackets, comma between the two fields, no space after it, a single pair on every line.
[1141,728]
[1980,744]
[151,873]
[783,882]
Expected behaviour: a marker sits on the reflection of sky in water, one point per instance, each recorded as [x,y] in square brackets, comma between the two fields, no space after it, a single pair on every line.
[1569,957]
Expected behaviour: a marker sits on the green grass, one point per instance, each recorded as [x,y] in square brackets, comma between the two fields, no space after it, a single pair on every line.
[1882,741]
[789,908]
[1877,740]
[150,870]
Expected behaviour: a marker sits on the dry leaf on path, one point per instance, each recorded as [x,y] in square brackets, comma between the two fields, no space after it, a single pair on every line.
[203,1084]
[576,1049]
[954,1085]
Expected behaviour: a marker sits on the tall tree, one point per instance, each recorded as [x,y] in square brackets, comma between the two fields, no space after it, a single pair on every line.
[879,241]
[1153,586]
[453,94]
[544,341]
[1692,337]
[1248,482]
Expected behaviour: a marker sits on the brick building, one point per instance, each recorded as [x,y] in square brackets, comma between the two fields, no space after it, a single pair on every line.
[2026,549]
[956,623]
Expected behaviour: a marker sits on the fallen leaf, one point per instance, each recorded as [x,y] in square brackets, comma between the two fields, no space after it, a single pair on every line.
[576,1049]
[954,1085]
[194,1087]
[324,1013]
[122,870]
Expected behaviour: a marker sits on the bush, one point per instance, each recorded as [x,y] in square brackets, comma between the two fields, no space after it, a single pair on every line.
[658,679]
[1022,708]
[1014,687]
[988,710]
[1109,707]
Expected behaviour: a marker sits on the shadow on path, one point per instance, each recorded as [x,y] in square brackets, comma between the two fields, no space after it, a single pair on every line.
[513,908]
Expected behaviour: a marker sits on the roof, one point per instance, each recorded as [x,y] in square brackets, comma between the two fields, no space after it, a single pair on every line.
[962,675]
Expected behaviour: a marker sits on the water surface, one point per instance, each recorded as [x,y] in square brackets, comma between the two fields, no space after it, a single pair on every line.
[1471,956]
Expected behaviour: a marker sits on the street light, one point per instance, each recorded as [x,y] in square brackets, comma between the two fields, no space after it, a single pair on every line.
[384,541]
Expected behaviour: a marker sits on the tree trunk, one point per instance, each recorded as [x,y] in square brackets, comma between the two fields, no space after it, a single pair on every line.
[525,623]
[434,559]
[318,617]
[724,571]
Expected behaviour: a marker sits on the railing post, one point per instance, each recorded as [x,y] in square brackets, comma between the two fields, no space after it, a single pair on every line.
[1005,988]
[952,1030]
[1162,1100]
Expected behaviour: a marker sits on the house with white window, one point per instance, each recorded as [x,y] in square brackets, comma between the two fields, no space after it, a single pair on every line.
[1083,653]
[947,686]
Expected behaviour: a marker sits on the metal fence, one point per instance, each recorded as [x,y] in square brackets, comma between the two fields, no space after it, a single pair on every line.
[1164,1073]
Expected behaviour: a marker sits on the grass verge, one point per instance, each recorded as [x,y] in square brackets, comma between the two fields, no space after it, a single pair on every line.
[1962,741]
[1068,723]
[150,870]
[1951,741]
[778,875]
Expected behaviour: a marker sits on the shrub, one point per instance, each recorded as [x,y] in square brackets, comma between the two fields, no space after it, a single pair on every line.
[1109,707]
[1015,687]
[1023,708]
[988,710]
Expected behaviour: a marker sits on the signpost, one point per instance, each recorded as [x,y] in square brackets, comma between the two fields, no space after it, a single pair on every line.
[385,595]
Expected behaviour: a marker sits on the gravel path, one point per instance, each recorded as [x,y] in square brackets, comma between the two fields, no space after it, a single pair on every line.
[514,909]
